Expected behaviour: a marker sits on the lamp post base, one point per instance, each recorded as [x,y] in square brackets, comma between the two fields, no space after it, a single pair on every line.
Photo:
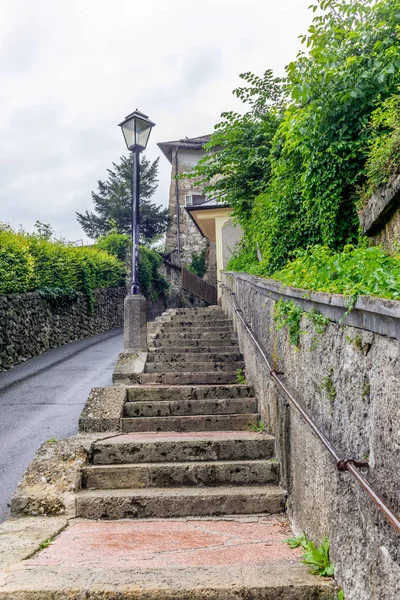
[135,323]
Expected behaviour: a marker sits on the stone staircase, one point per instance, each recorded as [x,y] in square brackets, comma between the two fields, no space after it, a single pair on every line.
[185,503]
[188,446]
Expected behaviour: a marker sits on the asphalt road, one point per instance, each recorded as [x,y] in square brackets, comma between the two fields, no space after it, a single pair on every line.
[43,398]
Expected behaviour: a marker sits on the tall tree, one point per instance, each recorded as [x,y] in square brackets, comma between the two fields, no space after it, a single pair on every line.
[113,202]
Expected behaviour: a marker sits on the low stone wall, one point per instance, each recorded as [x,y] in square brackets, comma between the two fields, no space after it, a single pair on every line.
[30,325]
[348,379]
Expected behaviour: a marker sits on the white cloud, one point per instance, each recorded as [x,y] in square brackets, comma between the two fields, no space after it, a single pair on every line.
[70,70]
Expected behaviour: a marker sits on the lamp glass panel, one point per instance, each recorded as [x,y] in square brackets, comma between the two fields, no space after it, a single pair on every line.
[128,129]
[142,132]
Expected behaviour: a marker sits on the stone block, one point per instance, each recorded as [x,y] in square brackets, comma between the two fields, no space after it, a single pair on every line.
[135,323]
[54,476]
[103,410]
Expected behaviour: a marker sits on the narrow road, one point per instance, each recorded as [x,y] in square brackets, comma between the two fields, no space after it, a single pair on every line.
[42,399]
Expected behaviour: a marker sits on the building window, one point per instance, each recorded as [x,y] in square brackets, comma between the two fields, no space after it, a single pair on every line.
[195,200]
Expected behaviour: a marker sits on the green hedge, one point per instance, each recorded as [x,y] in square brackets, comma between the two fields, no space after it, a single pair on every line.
[152,284]
[32,262]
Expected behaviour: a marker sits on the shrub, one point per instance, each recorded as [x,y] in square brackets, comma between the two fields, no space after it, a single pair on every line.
[16,263]
[116,244]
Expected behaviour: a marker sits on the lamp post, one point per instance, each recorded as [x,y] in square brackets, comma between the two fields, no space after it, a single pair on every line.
[136,129]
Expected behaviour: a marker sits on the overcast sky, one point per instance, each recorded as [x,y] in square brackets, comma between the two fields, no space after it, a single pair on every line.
[70,70]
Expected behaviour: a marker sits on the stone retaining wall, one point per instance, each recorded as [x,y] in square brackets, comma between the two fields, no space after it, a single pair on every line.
[30,325]
[348,379]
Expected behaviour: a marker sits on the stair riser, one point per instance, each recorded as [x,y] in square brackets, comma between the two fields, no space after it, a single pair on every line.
[180,475]
[183,451]
[188,392]
[208,312]
[207,367]
[201,335]
[189,350]
[197,330]
[196,423]
[174,324]
[132,507]
[191,407]
[183,346]
[187,378]
[193,357]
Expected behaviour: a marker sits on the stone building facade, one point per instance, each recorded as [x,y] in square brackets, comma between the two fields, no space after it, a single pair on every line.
[183,238]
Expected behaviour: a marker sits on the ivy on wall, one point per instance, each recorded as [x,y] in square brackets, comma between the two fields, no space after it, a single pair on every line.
[294,165]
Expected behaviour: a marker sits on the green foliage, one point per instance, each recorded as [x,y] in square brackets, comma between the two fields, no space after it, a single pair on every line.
[329,387]
[35,262]
[16,263]
[113,203]
[244,258]
[316,557]
[198,265]
[260,427]
[240,377]
[116,244]
[44,230]
[383,162]
[288,314]
[353,272]
[292,165]
[297,542]
[366,390]
[319,321]
[236,168]
[340,595]
[152,283]
[58,296]
[46,543]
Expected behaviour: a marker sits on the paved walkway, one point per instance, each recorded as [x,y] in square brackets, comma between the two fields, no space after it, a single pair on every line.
[170,544]
[229,558]
[42,399]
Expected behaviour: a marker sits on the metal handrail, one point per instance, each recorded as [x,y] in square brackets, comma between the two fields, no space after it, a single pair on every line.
[342,464]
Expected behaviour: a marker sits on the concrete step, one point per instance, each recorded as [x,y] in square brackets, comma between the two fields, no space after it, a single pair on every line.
[183,447]
[229,558]
[188,392]
[192,357]
[200,366]
[179,502]
[191,423]
[209,474]
[224,406]
[183,346]
[197,316]
[188,378]
[197,328]
[212,311]
[198,322]
[209,336]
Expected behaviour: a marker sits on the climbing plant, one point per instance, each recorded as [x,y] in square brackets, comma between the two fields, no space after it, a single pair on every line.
[292,165]
[198,264]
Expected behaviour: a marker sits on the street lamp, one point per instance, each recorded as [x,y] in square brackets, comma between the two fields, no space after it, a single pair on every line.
[136,129]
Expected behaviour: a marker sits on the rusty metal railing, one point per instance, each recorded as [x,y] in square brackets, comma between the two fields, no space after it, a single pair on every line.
[342,464]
